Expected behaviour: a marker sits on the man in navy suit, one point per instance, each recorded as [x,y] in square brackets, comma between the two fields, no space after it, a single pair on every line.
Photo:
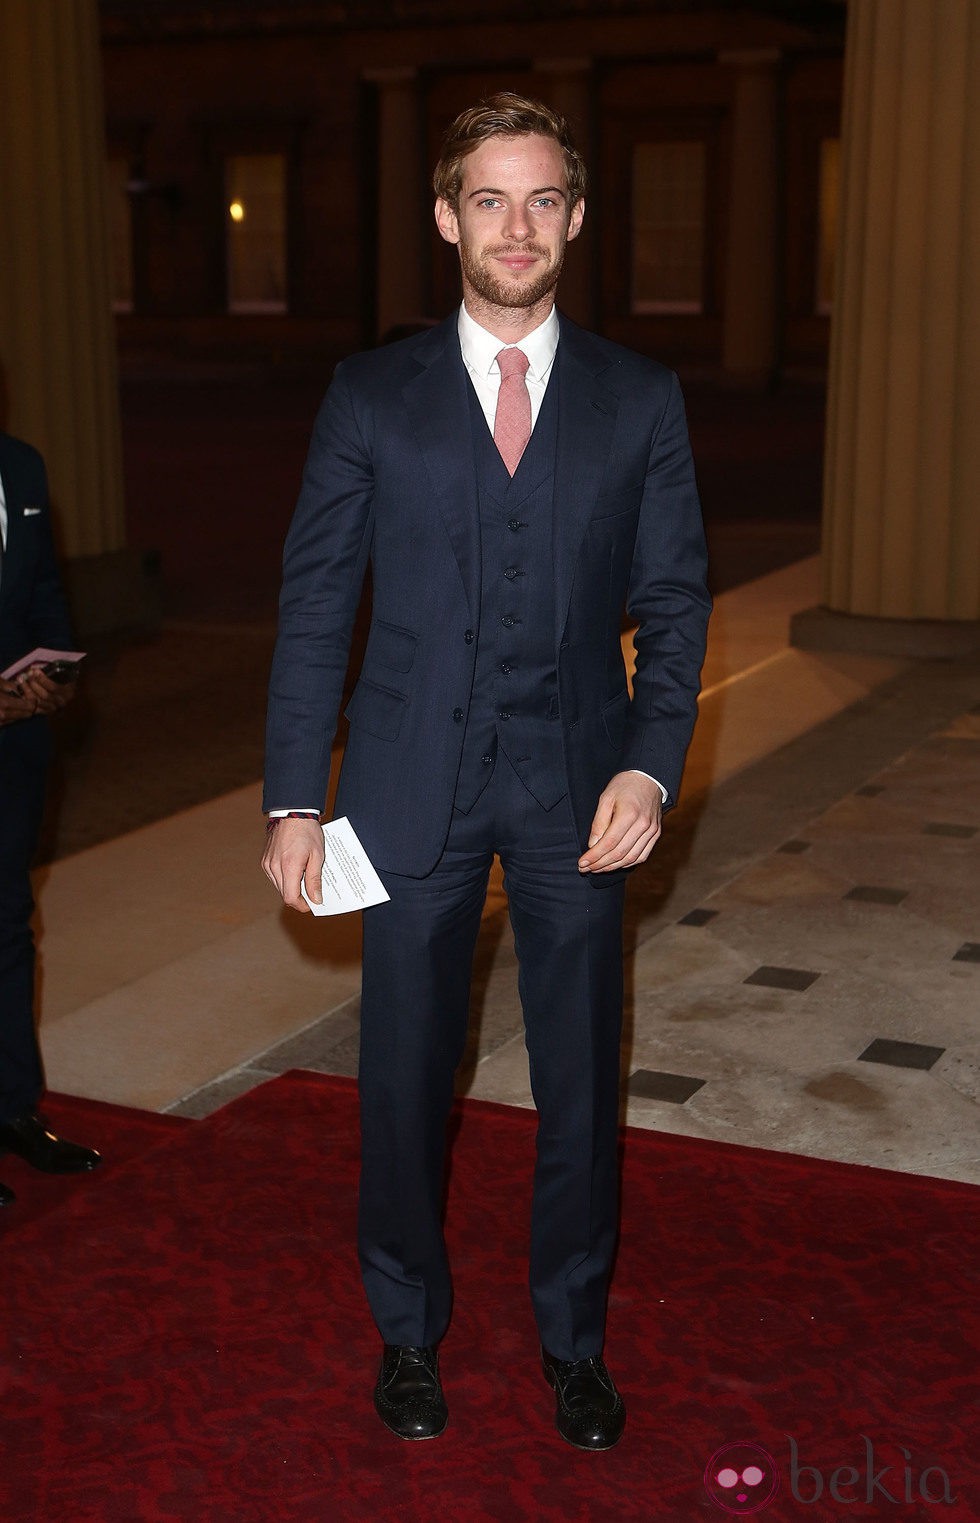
[515,483]
[32,613]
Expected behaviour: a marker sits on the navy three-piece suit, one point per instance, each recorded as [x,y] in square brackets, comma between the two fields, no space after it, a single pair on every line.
[32,613]
[491,711]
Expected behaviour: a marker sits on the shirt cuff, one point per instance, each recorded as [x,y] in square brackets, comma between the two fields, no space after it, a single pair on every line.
[283,814]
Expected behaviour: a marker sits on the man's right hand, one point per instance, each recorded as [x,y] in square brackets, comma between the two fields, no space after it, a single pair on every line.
[15,704]
[294,851]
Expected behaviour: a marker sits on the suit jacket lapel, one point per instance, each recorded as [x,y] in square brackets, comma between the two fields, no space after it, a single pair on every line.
[586,422]
[438,406]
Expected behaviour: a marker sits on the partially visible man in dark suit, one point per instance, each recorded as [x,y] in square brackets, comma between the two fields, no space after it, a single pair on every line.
[515,482]
[32,613]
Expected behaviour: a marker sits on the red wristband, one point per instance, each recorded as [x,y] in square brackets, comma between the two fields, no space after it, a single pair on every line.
[291,814]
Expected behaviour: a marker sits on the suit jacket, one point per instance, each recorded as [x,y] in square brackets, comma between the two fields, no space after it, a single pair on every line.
[391,477]
[32,604]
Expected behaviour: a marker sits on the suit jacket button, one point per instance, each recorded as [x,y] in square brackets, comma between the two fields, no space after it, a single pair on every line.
[469,636]
[457,715]
[487,759]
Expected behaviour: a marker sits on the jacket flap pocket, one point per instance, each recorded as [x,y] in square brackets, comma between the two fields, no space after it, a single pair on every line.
[378,710]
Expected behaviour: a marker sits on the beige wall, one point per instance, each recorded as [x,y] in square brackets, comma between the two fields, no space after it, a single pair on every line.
[56,341]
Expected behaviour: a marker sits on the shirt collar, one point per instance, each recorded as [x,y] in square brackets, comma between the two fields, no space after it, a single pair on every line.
[480,348]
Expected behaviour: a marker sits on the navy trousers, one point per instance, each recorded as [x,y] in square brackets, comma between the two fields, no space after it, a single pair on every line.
[418,954]
[24,749]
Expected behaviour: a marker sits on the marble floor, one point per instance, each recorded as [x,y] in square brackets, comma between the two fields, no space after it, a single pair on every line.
[803,951]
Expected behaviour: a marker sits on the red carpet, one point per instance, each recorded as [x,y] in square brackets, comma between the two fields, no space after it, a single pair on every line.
[187,1338]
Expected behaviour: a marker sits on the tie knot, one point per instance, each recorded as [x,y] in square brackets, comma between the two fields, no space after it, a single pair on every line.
[512,362]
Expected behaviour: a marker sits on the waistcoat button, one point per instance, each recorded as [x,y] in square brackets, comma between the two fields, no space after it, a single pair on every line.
[468,636]
[457,715]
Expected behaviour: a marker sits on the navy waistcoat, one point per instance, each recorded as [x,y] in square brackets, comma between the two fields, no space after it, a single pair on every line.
[514,702]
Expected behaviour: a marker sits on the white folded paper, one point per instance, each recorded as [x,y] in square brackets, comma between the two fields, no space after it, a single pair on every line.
[349,882]
[39,656]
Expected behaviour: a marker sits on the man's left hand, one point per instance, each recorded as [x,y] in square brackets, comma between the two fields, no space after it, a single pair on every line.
[50,695]
[626,826]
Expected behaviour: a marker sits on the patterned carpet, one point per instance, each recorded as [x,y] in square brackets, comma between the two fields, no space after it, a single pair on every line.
[188,1338]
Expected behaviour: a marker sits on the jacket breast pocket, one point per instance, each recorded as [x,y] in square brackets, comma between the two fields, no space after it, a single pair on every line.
[378,710]
[390,645]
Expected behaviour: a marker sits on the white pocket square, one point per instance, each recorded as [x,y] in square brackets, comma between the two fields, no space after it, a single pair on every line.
[32,512]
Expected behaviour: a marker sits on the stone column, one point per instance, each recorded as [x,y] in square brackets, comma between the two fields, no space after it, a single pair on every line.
[565,85]
[749,344]
[402,202]
[57,343]
[902,489]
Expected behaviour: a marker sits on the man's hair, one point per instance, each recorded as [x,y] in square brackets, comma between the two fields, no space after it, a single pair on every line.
[504,115]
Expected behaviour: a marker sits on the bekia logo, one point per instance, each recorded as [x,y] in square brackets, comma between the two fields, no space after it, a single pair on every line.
[742,1478]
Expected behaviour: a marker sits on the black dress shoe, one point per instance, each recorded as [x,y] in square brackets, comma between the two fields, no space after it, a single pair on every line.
[30,1139]
[408,1396]
[590,1412]
[7,1196]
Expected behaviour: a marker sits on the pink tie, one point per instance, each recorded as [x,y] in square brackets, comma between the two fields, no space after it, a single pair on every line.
[512,420]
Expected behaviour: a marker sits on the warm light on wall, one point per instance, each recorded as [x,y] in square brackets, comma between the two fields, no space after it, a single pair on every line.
[255,233]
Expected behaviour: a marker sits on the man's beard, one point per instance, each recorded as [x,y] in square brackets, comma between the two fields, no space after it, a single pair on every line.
[509,293]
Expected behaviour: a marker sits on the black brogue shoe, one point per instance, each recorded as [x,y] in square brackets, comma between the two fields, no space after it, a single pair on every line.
[590,1413]
[408,1396]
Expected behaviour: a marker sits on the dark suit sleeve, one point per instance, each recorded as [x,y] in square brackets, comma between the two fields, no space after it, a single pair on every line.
[50,624]
[669,600]
[33,610]
[324,562]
